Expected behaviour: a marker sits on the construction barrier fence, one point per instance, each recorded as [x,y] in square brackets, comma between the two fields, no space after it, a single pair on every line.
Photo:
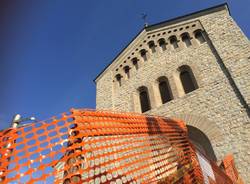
[87,146]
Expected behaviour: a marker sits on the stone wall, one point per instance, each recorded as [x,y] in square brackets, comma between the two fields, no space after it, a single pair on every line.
[217,107]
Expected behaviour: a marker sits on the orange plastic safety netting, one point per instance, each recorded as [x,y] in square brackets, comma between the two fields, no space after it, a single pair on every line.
[99,147]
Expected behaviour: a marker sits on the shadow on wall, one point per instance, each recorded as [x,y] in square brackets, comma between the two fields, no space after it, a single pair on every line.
[201,142]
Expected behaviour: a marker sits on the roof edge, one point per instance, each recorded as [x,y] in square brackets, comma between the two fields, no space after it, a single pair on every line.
[187,16]
[169,22]
[119,53]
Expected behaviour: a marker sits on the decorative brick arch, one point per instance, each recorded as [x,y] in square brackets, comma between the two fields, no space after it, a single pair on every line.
[204,134]
[209,128]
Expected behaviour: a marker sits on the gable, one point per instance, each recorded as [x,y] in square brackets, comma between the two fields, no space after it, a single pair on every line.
[166,29]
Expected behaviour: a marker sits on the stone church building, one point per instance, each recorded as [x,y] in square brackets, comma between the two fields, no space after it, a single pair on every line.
[195,68]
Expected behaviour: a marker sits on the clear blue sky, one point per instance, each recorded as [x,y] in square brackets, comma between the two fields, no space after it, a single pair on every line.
[51,50]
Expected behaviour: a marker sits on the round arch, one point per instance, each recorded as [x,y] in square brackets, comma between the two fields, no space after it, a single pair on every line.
[202,132]
[201,142]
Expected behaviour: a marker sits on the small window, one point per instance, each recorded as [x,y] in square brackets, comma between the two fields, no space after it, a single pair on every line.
[126,70]
[144,99]
[162,44]
[143,53]
[118,79]
[186,39]
[173,42]
[187,79]
[199,36]
[165,90]
[152,46]
[135,63]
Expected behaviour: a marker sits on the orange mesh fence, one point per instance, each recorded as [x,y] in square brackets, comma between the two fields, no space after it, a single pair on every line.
[228,166]
[99,147]
[211,172]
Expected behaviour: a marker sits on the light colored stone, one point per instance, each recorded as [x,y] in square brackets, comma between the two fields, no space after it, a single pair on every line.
[215,107]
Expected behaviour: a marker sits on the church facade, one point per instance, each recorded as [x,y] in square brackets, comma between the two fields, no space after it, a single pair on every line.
[195,68]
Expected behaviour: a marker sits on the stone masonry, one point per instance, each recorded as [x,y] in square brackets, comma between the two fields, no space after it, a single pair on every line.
[219,107]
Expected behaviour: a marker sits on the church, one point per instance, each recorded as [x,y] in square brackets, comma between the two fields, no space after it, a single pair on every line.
[194,68]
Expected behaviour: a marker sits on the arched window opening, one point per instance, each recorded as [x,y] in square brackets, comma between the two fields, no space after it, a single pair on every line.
[135,63]
[174,42]
[143,53]
[199,36]
[162,44]
[201,142]
[126,70]
[187,79]
[152,46]
[165,91]
[119,79]
[144,99]
[186,39]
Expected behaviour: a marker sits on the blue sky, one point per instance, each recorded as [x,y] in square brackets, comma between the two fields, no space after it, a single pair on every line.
[51,50]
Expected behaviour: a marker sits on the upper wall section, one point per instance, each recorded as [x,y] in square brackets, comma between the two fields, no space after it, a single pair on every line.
[156,36]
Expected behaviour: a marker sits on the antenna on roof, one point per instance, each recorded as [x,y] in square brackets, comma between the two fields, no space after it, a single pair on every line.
[144,17]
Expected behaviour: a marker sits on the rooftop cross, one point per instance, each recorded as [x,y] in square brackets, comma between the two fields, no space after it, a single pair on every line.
[144,17]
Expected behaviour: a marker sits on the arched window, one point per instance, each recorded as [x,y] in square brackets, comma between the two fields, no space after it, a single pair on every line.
[162,44]
[135,63]
[152,46]
[187,79]
[186,39]
[143,53]
[173,41]
[165,91]
[199,36]
[119,79]
[126,70]
[144,99]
